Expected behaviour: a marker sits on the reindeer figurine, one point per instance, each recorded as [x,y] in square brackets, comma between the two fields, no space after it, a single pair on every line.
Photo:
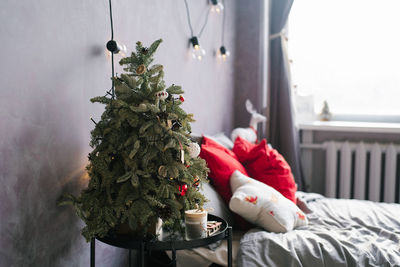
[250,134]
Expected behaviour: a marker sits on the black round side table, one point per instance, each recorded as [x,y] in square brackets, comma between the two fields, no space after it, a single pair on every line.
[166,241]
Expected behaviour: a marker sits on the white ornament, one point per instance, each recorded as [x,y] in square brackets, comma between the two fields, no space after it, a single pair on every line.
[162,95]
[194,150]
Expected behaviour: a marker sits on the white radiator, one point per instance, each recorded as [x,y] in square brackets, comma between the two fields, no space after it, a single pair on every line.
[362,171]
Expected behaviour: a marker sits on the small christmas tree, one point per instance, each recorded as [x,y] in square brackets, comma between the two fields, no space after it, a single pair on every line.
[325,114]
[143,165]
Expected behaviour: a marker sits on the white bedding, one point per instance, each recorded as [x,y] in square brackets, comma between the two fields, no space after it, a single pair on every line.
[202,257]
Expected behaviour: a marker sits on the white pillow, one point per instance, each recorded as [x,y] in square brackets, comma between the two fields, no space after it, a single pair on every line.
[221,139]
[263,205]
[245,133]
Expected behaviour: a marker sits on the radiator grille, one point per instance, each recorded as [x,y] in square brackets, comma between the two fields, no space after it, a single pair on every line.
[363,171]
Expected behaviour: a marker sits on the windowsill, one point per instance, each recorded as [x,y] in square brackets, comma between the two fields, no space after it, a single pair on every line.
[347,126]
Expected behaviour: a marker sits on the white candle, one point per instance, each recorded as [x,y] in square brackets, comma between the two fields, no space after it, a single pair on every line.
[196,224]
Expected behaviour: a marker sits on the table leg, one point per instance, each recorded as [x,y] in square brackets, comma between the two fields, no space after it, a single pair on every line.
[173,257]
[130,258]
[229,246]
[141,255]
[92,252]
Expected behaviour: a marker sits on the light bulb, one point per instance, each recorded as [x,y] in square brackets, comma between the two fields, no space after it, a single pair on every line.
[197,51]
[115,47]
[223,53]
[216,6]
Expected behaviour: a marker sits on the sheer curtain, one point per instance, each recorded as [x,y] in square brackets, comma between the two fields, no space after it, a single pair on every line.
[282,132]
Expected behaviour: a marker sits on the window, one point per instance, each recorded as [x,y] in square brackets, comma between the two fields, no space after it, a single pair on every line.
[347,52]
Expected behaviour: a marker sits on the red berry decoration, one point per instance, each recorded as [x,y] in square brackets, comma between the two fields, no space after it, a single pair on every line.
[181,98]
[183,188]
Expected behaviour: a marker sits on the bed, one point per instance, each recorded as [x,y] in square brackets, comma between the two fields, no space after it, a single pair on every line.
[341,232]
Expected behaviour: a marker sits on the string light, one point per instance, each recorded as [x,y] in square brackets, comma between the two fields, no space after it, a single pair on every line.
[223,53]
[216,6]
[197,51]
[116,48]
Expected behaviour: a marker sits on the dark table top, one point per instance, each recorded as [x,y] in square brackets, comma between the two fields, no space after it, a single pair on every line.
[167,240]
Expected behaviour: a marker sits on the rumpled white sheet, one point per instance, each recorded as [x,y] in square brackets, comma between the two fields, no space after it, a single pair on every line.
[201,257]
[341,232]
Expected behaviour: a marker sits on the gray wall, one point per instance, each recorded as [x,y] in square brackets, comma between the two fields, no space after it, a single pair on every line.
[251,59]
[52,62]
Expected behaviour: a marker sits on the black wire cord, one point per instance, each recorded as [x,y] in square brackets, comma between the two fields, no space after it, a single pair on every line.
[112,54]
[111,21]
[188,18]
[190,21]
[223,24]
[205,23]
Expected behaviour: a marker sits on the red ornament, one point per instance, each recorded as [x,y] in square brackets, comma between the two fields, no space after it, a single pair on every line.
[181,98]
[183,189]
